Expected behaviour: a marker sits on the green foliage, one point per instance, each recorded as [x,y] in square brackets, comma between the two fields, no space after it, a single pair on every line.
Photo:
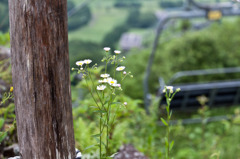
[135,127]
[191,51]
[137,61]
[105,91]
[127,4]
[137,19]
[111,38]
[206,139]
[7,117]
[80,18]
[169,94]
[83,131]
[170,4]
[133,17]
[185,25]
[85,125]
[4,38]
[7,108]
[104,21]
[84,50]
[5,71]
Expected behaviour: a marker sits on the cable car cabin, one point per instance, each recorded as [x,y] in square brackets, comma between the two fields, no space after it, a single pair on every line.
[219,93]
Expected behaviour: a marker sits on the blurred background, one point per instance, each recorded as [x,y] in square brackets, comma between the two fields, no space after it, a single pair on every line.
[210,41]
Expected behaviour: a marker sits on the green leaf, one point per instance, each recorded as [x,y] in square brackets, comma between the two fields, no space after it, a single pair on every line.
[171,145]
[2,136]
[98,141]
[96,135]
[106,100]
[100,111]
[116,103]
[1,122]
[103,144]
[90,147]
[164,122]
[113,155]
[166,142]
[93,107]
[170,114]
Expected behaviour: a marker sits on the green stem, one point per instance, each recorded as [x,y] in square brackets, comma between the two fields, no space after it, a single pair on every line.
[106,66]
[94,87]
[100,123]
[108,118]
[6,98]
[168,132]
[114,119]
[92,95]
[115,62]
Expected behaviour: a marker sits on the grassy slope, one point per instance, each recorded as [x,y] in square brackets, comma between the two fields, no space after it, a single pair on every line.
[105,18]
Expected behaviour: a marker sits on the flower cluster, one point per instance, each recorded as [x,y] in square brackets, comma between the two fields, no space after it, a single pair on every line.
[170,89]
[81,63]
[109,80]
[105,93]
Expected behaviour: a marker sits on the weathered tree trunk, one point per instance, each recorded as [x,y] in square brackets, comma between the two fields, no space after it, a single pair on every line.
[40,68]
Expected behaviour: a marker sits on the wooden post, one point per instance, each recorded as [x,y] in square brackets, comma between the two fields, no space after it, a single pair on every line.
[40,68]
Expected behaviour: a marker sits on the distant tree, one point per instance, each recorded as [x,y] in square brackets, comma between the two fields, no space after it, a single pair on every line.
[170,4]
[137,19]
[127,3]
[133,17]
[70,5]
[80,18]
[113,37]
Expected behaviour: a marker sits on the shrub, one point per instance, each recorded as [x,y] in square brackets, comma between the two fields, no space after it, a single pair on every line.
[140,20]
[194,50]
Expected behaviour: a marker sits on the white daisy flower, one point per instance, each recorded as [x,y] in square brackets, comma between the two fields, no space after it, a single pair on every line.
[103,81]
[101,87]
[106,49]
[170,88]
[111,81]
[117,52]
[120,68]
[116,85]
[104,75]
[80,63]
[125,103]
[87,61]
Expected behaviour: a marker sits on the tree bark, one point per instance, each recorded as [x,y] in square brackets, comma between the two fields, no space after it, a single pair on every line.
[40,68]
